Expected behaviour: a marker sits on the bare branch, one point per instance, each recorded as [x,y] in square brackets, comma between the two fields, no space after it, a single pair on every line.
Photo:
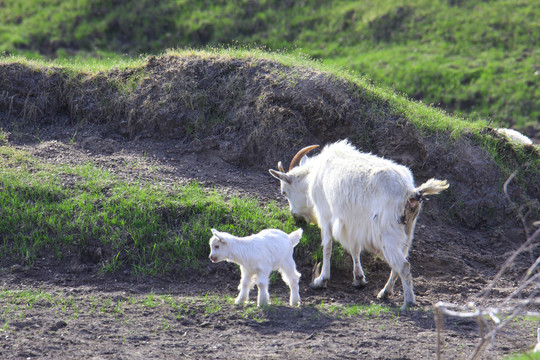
[489,317]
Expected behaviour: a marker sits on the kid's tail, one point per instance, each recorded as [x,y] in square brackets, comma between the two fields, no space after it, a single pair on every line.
[295,236]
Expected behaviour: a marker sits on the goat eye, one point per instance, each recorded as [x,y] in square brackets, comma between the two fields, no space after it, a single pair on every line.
[284,193]
[216,247]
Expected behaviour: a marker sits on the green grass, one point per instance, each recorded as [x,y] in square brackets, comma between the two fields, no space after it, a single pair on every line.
[372,310]
[146,228]
[527,356]
[477,58]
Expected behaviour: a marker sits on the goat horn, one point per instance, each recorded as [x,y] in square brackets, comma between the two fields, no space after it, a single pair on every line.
[296,159]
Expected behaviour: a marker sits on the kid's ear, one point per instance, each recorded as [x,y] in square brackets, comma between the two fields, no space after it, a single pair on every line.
[218,235]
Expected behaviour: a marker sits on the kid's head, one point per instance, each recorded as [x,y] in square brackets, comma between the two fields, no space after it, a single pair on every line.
[217,247]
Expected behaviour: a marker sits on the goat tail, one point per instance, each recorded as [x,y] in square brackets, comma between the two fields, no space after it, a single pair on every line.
[295,236]
[432,187]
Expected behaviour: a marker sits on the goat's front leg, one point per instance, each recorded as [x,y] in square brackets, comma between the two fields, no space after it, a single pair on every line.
[359,278]
[244,287]
[322,280]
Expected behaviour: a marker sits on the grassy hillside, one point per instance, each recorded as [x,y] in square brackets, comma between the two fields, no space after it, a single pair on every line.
[85,212]
[479,58]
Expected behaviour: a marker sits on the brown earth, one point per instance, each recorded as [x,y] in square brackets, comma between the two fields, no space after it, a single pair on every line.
[462,238]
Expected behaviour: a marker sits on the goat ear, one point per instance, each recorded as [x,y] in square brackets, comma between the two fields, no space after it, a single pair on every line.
[218,235]
[303,161]
[280,175]
[280,167]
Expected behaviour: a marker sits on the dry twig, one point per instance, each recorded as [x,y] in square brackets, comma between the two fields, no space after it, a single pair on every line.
[489,318]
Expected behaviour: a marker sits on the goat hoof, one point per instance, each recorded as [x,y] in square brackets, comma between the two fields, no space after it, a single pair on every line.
[314,286]
[359,284]
[240,301]
[407,306]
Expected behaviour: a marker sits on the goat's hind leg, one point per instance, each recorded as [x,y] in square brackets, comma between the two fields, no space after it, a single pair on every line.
[389,287]
[400,266]
[408,292]
[291,277]
[263,279]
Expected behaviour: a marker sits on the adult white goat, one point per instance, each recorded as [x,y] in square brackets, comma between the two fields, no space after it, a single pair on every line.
[361,200]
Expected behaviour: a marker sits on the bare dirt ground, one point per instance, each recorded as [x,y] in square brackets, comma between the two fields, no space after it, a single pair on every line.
[94,316]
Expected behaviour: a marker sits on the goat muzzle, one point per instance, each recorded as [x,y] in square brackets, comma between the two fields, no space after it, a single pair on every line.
[300,220]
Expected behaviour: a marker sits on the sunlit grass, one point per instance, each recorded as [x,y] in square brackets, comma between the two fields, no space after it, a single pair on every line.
[144,228]
[372,310]
[87,64]
[524,356]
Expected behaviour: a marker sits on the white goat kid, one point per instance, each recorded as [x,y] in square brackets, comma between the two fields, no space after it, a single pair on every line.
[258,255]
[361,200]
